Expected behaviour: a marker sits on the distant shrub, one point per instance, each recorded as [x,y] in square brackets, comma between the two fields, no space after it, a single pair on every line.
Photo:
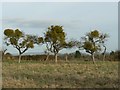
[77,54]
[8,56]
[37,57]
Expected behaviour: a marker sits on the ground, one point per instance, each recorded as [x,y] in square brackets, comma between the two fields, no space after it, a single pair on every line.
[71,74]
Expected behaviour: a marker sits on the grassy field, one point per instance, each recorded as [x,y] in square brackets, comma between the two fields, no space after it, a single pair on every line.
[74,74]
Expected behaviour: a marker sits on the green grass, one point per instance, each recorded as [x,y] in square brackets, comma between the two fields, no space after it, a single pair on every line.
[74,74]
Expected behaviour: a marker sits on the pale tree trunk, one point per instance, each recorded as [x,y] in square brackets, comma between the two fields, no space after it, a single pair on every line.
[66,57]
[3,53]
[56,58]
[47,57]
[19,58]
[104,53]
[93,58]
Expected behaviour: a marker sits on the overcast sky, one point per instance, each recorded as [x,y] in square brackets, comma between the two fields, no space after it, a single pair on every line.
[76,18]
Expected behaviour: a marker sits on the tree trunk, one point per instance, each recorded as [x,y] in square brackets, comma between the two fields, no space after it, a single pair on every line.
[66,57]
[93,58]
[4,52]
[104,57]
[19,58]
[104,53]
[47,57]
[56,58]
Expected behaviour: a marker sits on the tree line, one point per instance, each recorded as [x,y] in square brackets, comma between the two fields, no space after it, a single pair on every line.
[55,40]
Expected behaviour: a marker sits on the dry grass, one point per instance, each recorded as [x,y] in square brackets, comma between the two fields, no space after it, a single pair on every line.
[76,74]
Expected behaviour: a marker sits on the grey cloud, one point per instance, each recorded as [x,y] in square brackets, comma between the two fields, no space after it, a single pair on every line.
[26,23]
[39,23]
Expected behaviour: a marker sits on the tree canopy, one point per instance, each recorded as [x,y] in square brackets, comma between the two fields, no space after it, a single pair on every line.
[93,42]
[20,40]
[55,39]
